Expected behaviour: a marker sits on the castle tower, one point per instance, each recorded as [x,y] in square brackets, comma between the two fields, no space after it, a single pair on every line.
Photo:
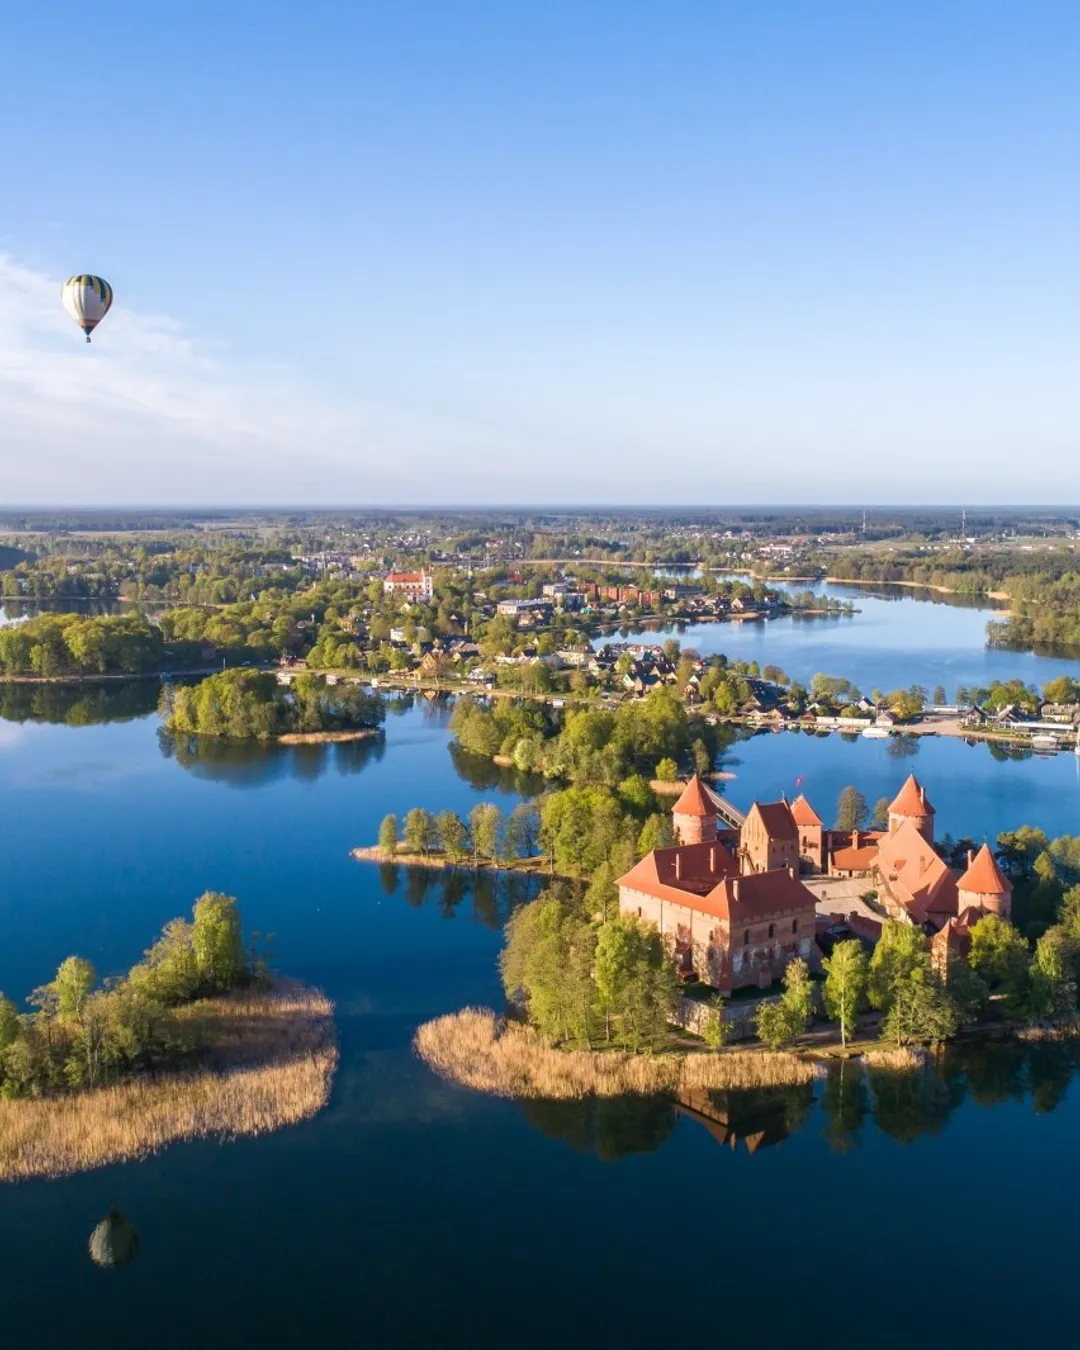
[811,833]
[984,885]
[912,804]
[694,816]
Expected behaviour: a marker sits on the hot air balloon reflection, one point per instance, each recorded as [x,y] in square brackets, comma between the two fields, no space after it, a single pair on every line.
[113,1242]
[87,300]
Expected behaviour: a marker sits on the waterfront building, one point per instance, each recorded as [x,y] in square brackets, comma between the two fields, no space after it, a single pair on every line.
[729,902]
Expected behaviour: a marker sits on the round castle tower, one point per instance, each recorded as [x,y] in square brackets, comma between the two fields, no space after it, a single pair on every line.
[694,816]
[912,804]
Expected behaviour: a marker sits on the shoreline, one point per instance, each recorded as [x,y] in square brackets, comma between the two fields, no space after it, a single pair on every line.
[270,1062]
[441,862]
[325,737]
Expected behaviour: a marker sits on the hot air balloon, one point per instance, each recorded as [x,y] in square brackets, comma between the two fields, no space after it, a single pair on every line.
[87,300]
[113,1242]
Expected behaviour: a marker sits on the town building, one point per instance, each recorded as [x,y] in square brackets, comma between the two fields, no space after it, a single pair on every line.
[417,586]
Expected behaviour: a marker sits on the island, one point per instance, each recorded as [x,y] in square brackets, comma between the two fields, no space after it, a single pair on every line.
[809,943]
[196,1040]
[254,705]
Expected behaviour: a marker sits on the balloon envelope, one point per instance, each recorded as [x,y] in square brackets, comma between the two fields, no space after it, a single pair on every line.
[87,300]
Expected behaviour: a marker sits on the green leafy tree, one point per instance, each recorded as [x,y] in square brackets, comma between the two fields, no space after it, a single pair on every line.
[879,819]
[901,949]
[453,836]
[1001,957]
[602,894]
[73,984]
[1053,977]
[485,828]
[217,941]
[717,1030]
[418,830]
[635,982]
[10,1026]
[920,1010]
[667,771]
[851,809]
[655,833]
[388,835]
[847,974]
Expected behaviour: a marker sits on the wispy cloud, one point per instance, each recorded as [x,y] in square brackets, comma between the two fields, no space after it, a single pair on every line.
[144,414]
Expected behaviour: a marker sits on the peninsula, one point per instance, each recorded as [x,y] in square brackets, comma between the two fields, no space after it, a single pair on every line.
[197,1040]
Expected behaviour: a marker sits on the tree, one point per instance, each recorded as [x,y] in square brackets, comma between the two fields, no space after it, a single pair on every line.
[847,973]
[602,894]
[851,809]
[635,981]
[779,1022]
[548,963]
[418,829]
[717,1029]
[485,827]
[1053,977]
[667,771]
[655,833]
[1001,957]
[901,949]
[939,695]
[523,831]
[453,836]
[702,756]
[388,835]
[74,981]
[9,1023]
[920,1011]
[217,941]
[879,818]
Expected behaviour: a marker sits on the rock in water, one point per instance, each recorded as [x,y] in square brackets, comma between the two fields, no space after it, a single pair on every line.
[113,1242]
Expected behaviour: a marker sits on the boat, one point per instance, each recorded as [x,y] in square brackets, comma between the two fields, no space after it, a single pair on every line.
[880,734]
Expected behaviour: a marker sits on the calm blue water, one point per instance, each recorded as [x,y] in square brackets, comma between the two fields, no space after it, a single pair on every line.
[895,640]
[412,1213]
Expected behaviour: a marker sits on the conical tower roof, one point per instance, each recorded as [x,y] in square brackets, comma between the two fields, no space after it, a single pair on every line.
[695,800]
[984,876]
[912,800]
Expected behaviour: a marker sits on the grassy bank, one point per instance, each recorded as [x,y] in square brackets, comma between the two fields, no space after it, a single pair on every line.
[439,862]
[328,737]
[269,1062]
[479,1050]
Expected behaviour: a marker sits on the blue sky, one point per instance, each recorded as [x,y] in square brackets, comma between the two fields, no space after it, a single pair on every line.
[503,251]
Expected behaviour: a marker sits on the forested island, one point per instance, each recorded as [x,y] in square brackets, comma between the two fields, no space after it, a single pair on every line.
[252,705]
[196,1039]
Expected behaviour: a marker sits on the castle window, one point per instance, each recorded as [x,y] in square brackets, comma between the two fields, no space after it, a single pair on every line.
[746,938]
[794,925]
[772,930]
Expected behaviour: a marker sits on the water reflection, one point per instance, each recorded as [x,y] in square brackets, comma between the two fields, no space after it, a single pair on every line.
[78,705]
[245,764]
[485,775]
[114,1242]
[844,1101]
[488,898]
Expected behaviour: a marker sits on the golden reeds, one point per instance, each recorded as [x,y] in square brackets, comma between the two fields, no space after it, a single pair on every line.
[899,1058]
[476,1048]
[271,1057]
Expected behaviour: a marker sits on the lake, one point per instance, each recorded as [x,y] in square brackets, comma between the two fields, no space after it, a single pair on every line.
[898,638]
[412,1212]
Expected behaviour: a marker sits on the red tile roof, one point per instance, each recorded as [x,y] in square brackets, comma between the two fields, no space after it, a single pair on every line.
[983,875]
[912,800]
[681,873]
[777,819]
[695,800]
[803,813]
[859,859]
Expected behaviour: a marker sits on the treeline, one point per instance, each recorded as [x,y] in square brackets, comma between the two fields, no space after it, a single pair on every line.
[590,745]
[86,1033]
[73,644]
[77,705]
[248,704]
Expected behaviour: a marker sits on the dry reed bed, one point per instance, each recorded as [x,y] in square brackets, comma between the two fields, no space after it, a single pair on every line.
[476,1048]
[270,1062]
[898,1058]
